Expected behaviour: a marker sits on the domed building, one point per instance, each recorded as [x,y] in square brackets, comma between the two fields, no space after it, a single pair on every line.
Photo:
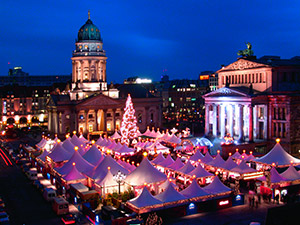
[90,106]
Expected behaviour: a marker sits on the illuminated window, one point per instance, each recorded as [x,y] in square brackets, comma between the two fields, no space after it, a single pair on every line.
[108,127]
[90,128]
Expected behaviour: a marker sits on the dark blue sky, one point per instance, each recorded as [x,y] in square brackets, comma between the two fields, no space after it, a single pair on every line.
[142,38]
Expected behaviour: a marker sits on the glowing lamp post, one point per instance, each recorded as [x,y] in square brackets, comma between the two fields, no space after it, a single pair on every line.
[119,177]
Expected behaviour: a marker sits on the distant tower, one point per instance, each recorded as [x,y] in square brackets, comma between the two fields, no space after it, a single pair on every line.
[88,62]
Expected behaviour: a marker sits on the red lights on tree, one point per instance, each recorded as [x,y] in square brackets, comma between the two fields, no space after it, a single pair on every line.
[128,126]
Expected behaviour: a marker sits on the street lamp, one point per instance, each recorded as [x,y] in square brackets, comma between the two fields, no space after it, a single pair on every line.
[119,177]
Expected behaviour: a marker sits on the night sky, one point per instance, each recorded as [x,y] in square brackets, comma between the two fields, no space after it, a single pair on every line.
[144,38]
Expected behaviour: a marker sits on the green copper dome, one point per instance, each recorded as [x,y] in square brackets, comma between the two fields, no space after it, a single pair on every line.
[89,32]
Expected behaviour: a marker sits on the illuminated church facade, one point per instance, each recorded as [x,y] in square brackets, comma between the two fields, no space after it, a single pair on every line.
[258,100]
[91,106]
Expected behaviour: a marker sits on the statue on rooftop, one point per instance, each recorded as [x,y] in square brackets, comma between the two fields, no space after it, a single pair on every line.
[246,52]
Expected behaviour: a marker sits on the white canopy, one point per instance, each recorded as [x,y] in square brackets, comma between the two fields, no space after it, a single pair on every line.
[173,139]
[59,153]
[81,164]
[291,174]
[159,158]
[108,180]
[168,161]
[116,135]
[199,172]
[170,195]
[100,171]
[194,191]
[278,156]
[165,184]
[124,150]
[148,133]
[207,158]
[93,155]
[243,168]
[145,173]
[158,147]
[42,143]
[43,155]
[216,187]
[187,168]
[144,199]
[176,165]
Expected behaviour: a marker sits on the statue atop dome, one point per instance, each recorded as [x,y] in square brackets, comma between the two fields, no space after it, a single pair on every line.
[247,52]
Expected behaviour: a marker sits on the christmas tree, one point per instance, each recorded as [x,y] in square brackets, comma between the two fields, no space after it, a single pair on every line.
[128,126]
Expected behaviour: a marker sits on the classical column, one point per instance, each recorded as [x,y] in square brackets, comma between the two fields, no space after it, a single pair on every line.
[215,122]
[89,66]
[86,121]
[113,120]
[250,123]
[97,71]
[50,120]
[222,120]
[96,118]
[265,122]
[255,122]
[207,119]
[74,78]
[104,71]
[230,118]
[105,119]
[241,123]
[81,71]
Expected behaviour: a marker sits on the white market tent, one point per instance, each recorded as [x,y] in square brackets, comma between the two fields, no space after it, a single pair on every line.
[278,156]
[59,153]
[42,143]
[144,199]
[83,139]
[176,165]
[291,174]
[236,155]
[124,150]
[93,155]
[173,139]
[198,155]
[194,191]
[275,177]
[159,158]
[170,195]
[243,168]
[207,158]
[168,161]
[116,135]
[100,171]
[157,147]
[81,164]
[145,173]
[187,168]
[126,165]
[229,164]
[165,184]
[217,162]
[200,172]
[107,184]
[216,187]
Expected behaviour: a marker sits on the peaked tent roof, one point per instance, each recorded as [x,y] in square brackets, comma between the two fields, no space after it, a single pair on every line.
[93,155]
[74,174]
[83,139]
[76,141]
[229,164]
[159,158]
[126,165]
[216,187]
[217,162]
[43,156]
[158,146]
[168,161]
[68,145]
[243,168]
[145,173]
[198,155]
[236,155]
[116,135]
[144,199]
[81,164]
[100,171]
[199,171]
[274,176]
[108,180]
[207,158]
[291,173]
[176,165]
[100,139]
[188,167]
[165,184]
[278,156]
[194,191]
[59,153]
[124,150]
[170,195]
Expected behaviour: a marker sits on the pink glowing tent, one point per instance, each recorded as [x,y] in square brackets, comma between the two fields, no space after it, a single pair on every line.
[217,162]
[76,141]
[124,150]
[116,135]
[243,168]
[144,199]
[93,155]
[217,187]
[74,175]
[176,165]
[81,164]
[99,141]
[145,173]
[236,155]
[170,195]
[229,164]
[200,172]
[126,165]
[148,133]
[165,184]
[291,174]
[278,156]
[198,155]
[158,147]
[83,139]
[168,161]
[194,191]
[100,171]
[59,153]
[188,167]
[207,158]
[112,145]
[274,176]
[173,139]
[159,158]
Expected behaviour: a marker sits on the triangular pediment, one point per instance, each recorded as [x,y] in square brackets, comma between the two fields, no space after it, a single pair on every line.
[226,92]
[242,64]
[101,100]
